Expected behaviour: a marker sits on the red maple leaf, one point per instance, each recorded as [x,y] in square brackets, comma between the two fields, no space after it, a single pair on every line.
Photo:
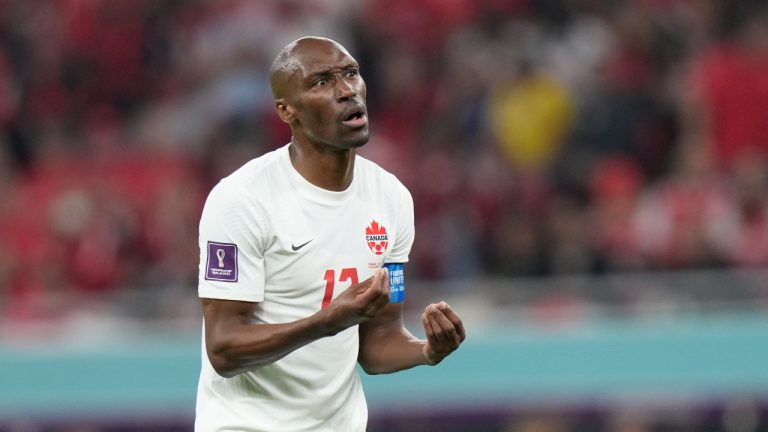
[375,229]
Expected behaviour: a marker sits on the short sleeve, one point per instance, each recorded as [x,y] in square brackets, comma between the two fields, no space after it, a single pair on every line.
[231,250]
[405,227]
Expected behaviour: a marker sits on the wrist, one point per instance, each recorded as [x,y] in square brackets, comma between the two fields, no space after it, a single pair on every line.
[325,323]
[430,357]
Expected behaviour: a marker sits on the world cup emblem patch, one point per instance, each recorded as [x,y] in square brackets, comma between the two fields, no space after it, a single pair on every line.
[376,237]
[221,264]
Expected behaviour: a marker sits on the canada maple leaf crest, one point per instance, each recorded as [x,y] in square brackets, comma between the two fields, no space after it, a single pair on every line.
[376,237]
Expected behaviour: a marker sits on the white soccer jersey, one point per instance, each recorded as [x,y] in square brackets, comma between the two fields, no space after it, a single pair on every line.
[269,236]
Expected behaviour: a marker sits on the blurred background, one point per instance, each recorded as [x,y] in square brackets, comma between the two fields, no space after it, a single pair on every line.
[589,177]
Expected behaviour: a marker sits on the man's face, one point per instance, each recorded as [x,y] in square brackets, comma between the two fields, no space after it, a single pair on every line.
[328,95]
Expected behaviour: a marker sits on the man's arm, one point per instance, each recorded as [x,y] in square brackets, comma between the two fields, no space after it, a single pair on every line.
[235,344]
[386,346]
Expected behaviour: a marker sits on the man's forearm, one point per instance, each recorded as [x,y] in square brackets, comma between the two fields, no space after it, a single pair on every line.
[235,344]
[390,350]
[240,348]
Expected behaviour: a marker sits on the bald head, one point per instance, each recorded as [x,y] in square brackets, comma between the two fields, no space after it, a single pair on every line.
[319,93]
[290,60]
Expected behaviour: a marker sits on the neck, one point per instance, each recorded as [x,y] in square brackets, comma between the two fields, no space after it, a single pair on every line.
[328,168]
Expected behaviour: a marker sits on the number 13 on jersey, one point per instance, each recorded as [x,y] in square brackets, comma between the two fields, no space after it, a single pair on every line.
[396,282]
[346,274]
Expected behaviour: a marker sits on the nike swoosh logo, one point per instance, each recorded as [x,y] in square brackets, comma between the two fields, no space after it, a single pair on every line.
[295,248]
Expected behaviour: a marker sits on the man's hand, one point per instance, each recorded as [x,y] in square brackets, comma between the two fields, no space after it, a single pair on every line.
[358,303]
[444,330]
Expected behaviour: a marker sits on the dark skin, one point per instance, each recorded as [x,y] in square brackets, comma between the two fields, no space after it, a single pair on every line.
[319,93]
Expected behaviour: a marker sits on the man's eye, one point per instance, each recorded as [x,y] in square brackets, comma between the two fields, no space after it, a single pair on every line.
[321,82]
[352,72]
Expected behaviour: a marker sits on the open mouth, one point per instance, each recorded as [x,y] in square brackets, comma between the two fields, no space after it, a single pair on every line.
[355,118]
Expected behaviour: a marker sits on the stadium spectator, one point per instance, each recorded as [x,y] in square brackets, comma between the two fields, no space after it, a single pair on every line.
[677,216]
[728,119]
[614,188]
[742,234]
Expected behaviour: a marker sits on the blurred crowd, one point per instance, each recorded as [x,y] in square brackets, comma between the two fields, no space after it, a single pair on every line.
[537,137]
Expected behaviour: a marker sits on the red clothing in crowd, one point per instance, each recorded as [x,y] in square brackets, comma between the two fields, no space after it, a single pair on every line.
[733,86]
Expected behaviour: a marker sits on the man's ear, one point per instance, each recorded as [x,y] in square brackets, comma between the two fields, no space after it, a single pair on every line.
[284,111]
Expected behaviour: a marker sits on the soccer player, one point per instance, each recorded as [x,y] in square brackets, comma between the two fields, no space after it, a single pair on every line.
[293,280]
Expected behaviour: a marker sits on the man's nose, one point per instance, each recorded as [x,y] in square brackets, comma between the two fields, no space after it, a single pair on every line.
[345,90]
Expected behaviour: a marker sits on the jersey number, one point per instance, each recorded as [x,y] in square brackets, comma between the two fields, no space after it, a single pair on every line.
[347,274]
